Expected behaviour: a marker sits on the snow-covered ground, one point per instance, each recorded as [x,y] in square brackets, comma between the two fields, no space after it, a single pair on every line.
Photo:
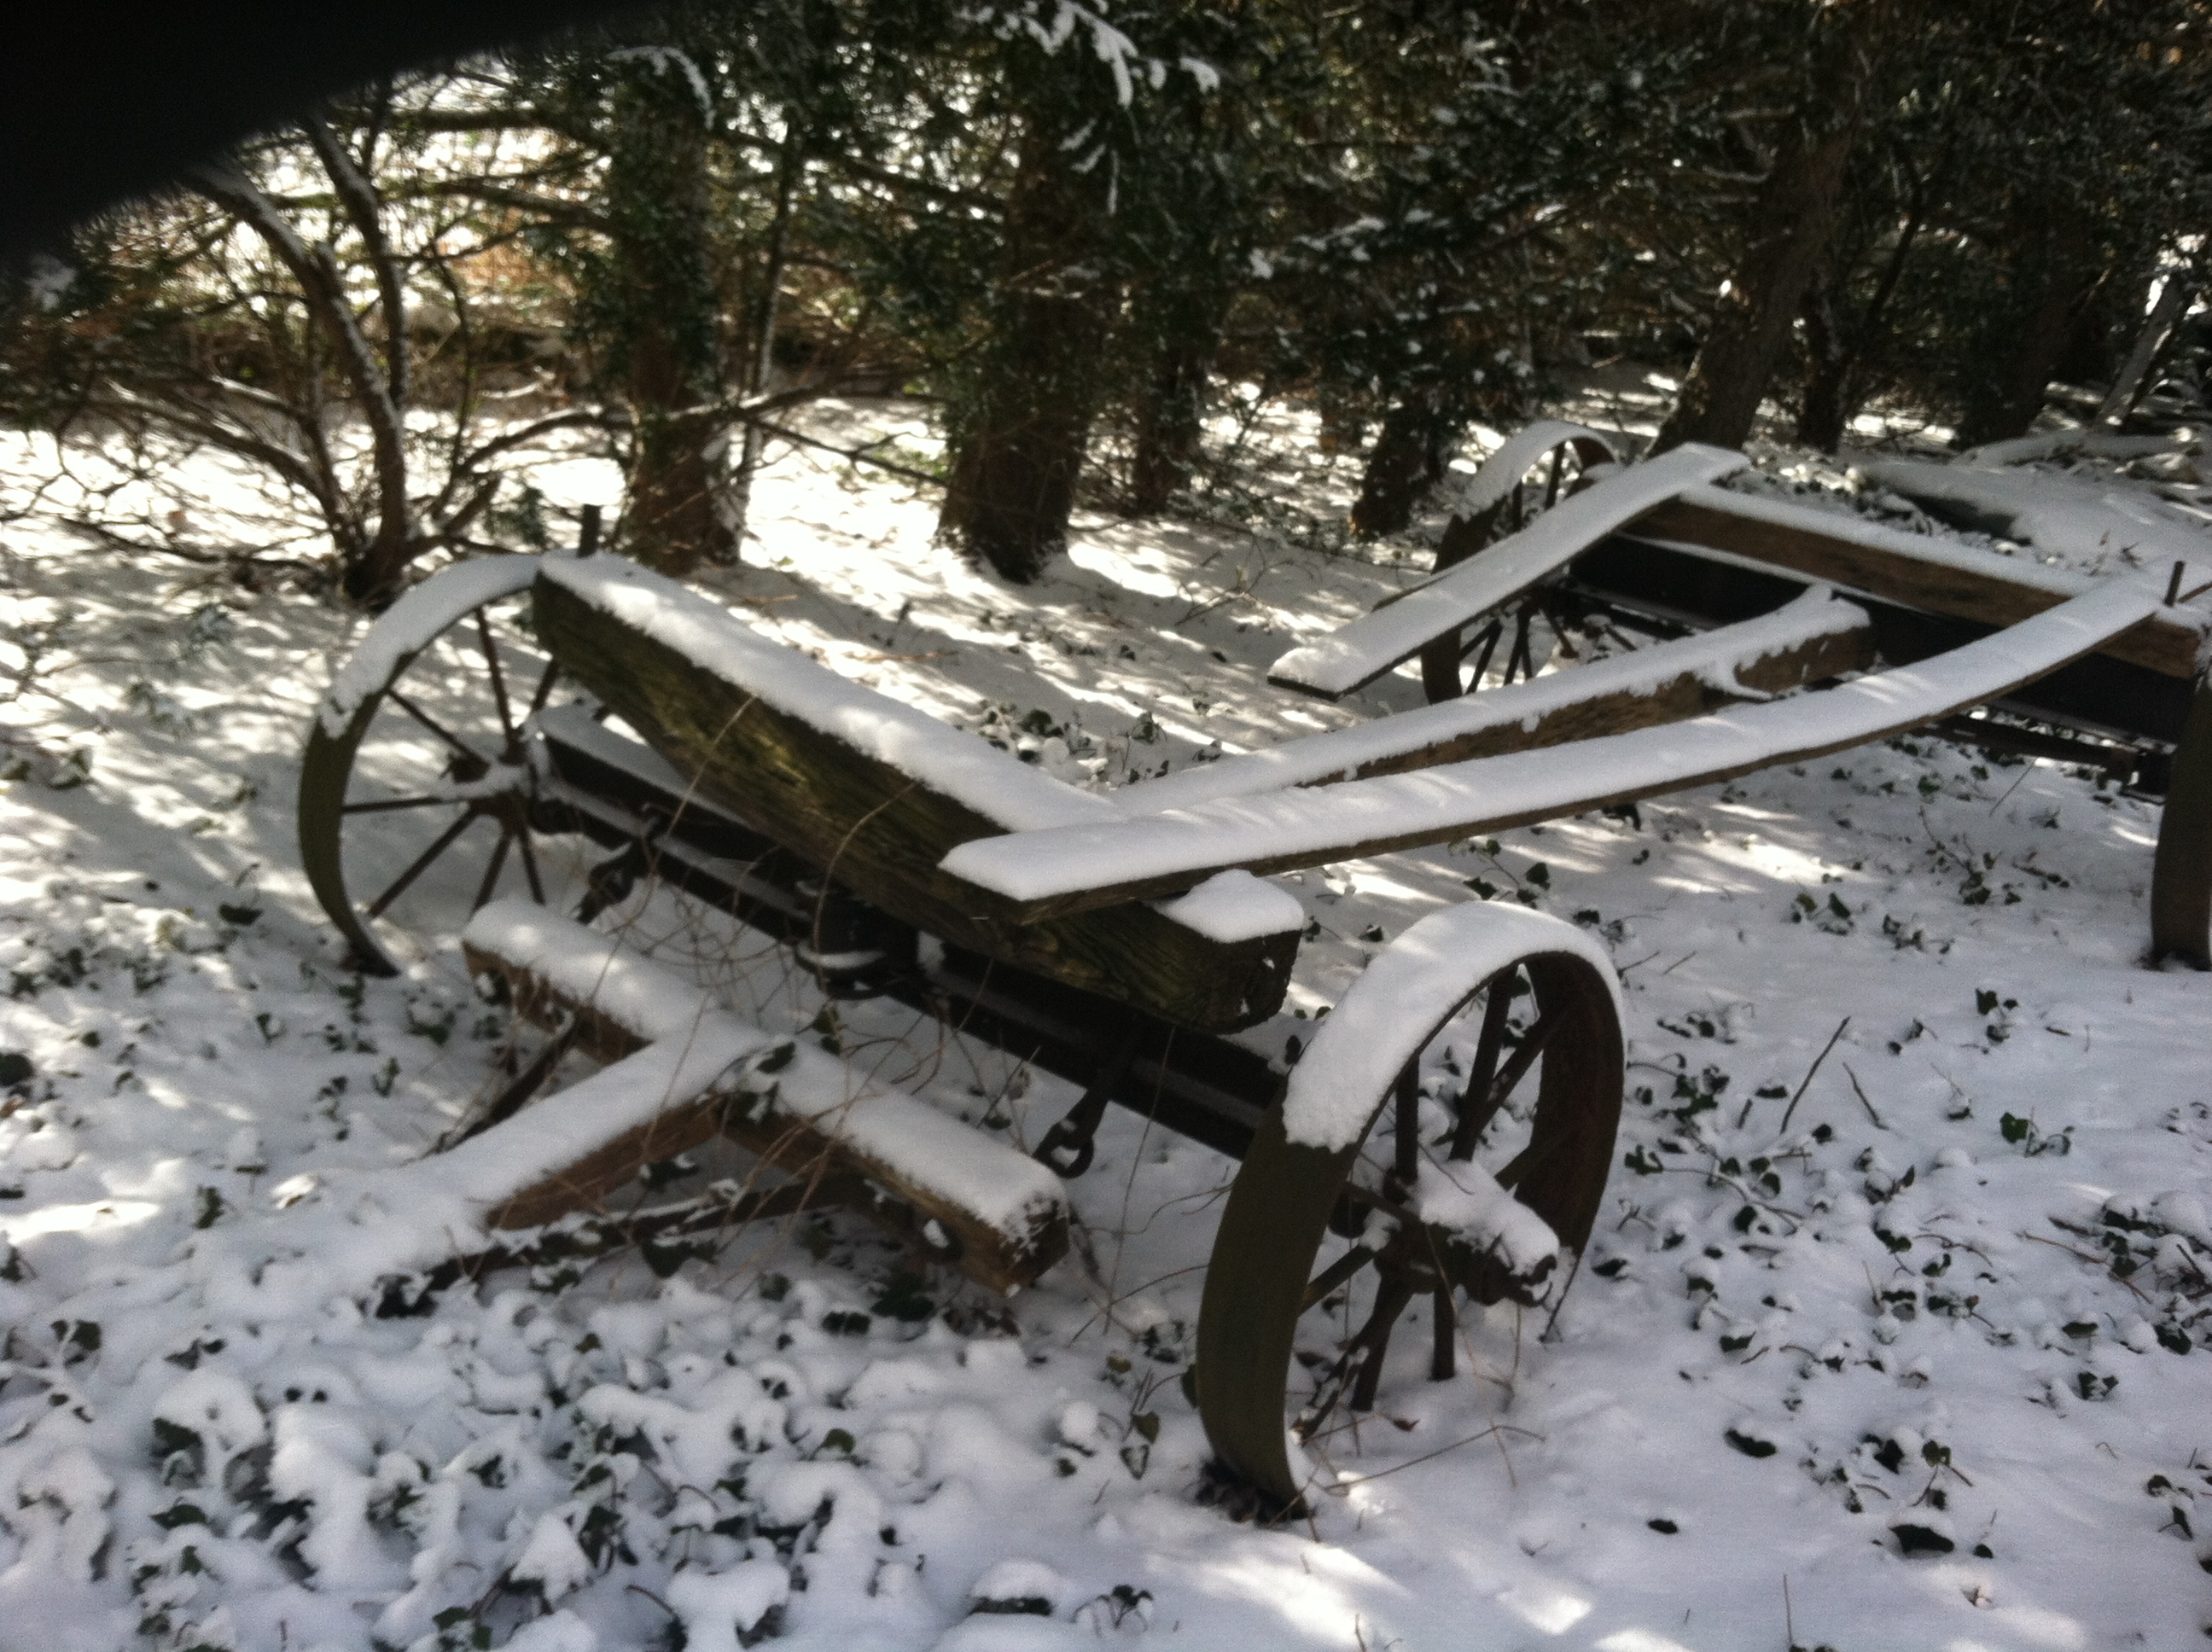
[1921,1365]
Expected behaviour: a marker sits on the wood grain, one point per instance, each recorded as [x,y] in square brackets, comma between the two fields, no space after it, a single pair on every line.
[993,1259]
[1692,694]
[2157,644]
[881,833]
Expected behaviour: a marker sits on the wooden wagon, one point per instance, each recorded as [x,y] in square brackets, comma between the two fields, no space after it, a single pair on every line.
[1446,1134]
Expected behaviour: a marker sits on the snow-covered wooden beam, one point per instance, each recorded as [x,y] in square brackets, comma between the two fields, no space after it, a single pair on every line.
[876,793]
[1359,653]
[684,1069]
[1069,869]
[1809,641]
[1939,576]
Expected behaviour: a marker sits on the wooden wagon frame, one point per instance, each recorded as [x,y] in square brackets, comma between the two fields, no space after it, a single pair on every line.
[1451,1123]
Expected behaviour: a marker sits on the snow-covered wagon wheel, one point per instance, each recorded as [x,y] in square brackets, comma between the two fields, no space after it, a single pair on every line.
[420,791]
[1447,1133]
[1532,472]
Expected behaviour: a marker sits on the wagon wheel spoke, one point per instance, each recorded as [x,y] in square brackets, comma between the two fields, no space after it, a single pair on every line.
[464,753]
[529,865]
[1532,1157]
[386,805]
[1479,1114]
[1483,1076]
[1491,634]
[543,691]
[1406,1162]
[498,684]
[1444,1346]
[1325,1283]
[1392,1297]
[422,864]
[506,835]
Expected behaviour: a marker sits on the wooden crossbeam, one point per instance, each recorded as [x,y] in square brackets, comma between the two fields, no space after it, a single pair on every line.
[627,1021]
[1911,569]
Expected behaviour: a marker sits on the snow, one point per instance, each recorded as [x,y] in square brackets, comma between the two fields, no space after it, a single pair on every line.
[1320,824]
[980,776]
[2095,524]
[1503,470]
[716,1607]
[1358,652]
[695,1045]
[1466,1200]
[409,624]
[2059,444]
[1925,549]
[1578,1490]
[1407,992]
[1235,906]
[1340,754]
[996,786]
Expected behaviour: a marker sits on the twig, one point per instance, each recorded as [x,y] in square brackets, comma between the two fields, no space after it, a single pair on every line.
[1861,1095]
[1338,1489]
[2025,769]
[853,455]
[1790,1111]
[1573,1273]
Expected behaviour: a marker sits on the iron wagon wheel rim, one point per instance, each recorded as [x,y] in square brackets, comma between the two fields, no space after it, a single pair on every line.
[328,765]
[1280,1206]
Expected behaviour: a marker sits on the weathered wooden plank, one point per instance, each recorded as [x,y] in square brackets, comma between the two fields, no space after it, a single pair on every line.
[1901,568]
[1069,869]
[1690,694]
[881,833]
[750,1117]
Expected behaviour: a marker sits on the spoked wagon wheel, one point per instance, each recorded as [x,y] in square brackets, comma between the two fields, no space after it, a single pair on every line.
[420,793]
[1427,1147]
[1531,473]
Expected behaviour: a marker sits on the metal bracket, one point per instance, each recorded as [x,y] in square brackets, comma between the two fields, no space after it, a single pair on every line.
[1069,1147]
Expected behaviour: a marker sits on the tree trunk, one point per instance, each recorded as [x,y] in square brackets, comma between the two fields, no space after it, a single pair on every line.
[760,352]
[1827,407]
[1170,424]
[1750,331]
[2051,282]
[1832,387]
[2133,376]
[1029,415]
[1792,220]
[664,318]
[1409,456]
